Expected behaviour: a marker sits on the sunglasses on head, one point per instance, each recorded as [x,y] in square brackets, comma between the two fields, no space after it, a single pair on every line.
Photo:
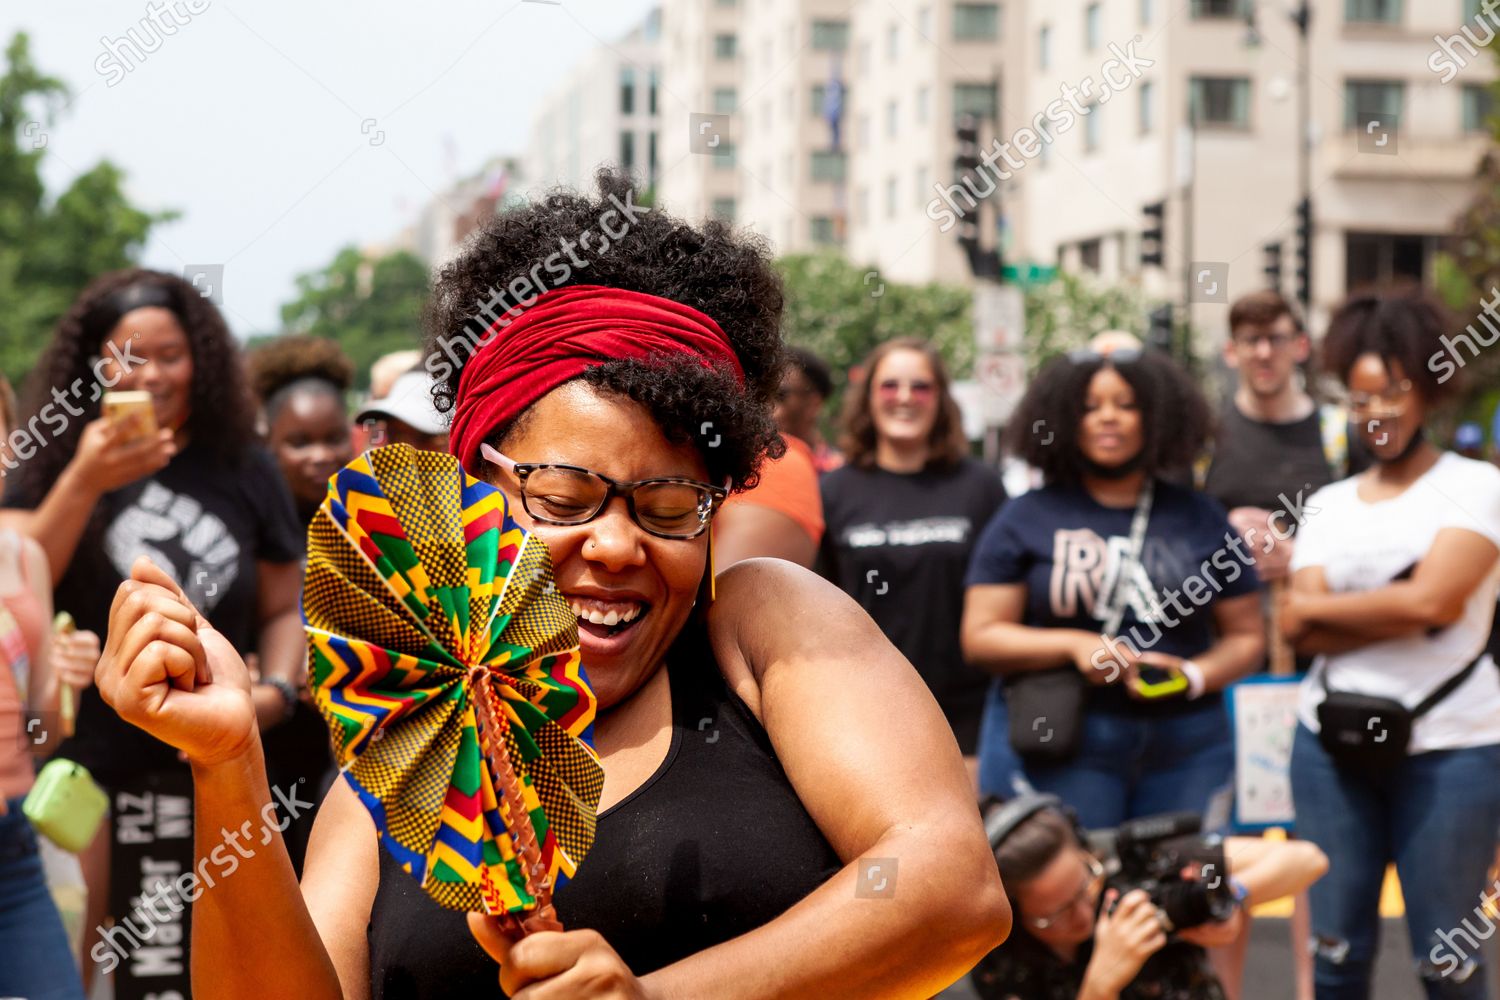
[1118,356]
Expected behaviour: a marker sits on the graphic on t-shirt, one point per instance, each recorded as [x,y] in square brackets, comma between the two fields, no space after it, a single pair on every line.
[920,531]
[1086,577]
[191,544]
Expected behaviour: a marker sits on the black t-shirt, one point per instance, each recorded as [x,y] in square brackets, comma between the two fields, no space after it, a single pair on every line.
[206,523]
[1068,549]
[1025,969]
[899,543]
[1254,462]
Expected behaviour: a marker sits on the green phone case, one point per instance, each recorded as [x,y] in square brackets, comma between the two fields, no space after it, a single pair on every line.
[65,805]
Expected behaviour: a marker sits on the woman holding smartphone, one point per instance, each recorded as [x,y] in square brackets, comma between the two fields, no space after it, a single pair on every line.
[1393,587]
[199,496]
[1107,601]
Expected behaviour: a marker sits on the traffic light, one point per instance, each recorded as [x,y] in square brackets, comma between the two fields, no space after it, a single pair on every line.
[1273,265]
[1304,253]
[1153,237]
[966,172]
[1159,328]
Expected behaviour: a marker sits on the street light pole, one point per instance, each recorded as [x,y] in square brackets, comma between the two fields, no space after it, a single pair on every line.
[1302,18]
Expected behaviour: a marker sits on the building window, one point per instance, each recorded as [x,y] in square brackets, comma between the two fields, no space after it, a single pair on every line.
[819,98]
[923,99]
[1146,12]
[1479,104]
[651,94]
[627,150]
[627,90]
[830,36]
[1218,8]
[1216,100]
[1092,28]
[1044,47]
[724,156]
[651,157]
[723,208]
[976,99]
[924,22]
[725,3]
[922,191]
[827,165]
[976,22]
[1374,98]
[726,99]
[1372,11]
[821,231]
[892,40]
[1144,97]
[1381,258]
[726,46]
[1089,253]
[1091,128]
[891,119]
[891,185]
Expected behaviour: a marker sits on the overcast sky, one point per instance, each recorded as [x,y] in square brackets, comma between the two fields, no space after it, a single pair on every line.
[250,119]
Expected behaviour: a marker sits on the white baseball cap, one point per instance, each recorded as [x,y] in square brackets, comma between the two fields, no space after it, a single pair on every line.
[409,401]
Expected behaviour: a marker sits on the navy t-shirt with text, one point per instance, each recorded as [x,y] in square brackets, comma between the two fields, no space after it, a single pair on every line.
[1067,548]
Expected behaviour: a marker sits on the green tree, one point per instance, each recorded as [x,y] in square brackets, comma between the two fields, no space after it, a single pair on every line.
[369,306]
[50,249]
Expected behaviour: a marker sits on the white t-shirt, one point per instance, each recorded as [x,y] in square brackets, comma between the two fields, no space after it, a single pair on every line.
[1363,546]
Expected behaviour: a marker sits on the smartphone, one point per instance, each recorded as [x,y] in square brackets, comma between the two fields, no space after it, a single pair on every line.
[1159,682]
[132,410]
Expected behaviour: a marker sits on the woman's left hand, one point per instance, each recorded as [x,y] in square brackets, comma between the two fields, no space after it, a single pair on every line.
[74,657]
[553,965]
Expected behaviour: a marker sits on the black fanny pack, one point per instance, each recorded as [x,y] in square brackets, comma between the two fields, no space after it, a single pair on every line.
[1368,734]
[1046,713]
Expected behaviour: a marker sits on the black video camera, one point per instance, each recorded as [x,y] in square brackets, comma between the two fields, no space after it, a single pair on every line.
[1151,853]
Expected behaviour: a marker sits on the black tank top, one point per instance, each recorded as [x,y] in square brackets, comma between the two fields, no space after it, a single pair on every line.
[714,844]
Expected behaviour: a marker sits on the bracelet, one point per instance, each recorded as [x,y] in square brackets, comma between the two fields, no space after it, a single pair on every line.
[287,692]
[1194,675]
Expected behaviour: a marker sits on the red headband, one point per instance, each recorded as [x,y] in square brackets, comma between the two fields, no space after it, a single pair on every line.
[523,357]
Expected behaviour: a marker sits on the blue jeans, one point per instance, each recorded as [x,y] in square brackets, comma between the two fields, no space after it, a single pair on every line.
[37,962]
[1435,817]
[1126,766]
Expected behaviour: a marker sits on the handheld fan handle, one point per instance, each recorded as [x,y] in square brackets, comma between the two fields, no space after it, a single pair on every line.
[523,833]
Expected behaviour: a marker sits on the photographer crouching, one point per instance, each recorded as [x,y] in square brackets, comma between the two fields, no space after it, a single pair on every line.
[1125,914]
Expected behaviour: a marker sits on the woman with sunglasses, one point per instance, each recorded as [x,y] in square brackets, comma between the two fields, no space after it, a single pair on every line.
[759,737]
[902,515]
[1111,601]
[1076,940]
[1393,587]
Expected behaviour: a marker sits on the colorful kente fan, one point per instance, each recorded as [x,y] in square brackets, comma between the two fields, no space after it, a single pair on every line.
[447,668]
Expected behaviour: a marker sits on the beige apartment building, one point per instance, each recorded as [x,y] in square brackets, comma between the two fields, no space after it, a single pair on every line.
[1231,181]
[607,109]
[700,78]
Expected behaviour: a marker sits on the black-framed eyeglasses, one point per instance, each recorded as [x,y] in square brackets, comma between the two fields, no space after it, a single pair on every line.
[667,507]
[1085,893]
[1276,341]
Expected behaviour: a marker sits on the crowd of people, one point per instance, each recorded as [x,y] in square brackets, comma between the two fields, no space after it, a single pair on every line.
[1005,695]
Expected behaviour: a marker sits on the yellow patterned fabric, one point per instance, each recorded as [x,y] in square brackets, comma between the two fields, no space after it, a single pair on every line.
[417,574]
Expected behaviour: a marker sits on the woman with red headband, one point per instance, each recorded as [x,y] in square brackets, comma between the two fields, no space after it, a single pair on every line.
[785,811]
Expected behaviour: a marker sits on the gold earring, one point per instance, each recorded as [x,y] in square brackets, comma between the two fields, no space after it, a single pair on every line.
[710,560]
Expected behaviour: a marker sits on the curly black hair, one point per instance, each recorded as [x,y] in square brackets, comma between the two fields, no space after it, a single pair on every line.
[222,416]
[1406,324]
[1175,418]
[728,276]
[297,362]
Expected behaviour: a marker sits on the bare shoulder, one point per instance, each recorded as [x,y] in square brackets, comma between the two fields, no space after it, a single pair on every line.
[339,882]
[767,609]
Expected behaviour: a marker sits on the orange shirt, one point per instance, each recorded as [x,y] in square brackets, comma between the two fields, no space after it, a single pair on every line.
[789,484]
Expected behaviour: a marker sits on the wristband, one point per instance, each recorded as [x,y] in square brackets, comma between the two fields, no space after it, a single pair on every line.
[287,692]
[1194,675]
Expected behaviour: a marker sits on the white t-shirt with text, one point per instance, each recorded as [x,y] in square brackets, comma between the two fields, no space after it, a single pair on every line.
[1363,546]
